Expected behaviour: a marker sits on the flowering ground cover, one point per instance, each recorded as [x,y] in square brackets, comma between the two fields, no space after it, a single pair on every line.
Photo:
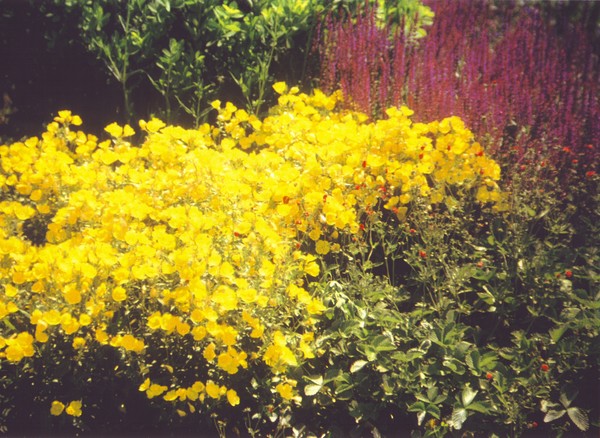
[313,269]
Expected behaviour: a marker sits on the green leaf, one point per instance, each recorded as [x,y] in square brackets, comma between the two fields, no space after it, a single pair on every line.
[479,407]
[312,389]
[468,395]
[488,361]
[315,385]
[432,393]
[455,366]
[358,365]
[459,416]
[530,211]
[383,343]
[318,380]
[552,415]
[417,407]
[566,400]
[579,417]
[434,411]
[546,405]
[472,361]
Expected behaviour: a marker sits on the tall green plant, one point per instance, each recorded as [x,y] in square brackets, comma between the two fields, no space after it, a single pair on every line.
[123,36]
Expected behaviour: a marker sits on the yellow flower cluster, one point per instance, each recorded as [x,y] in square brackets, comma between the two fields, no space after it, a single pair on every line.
[195,235]
[73,408]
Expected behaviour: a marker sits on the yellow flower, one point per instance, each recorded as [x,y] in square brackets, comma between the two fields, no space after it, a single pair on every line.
[285,390]
[57,408]
[130,343]
[232,397]
[19,346]
[65,116]
[154,125]
[213,390]
[322,247]
[114,130]
[280,87]
[312,269]
[119,294]
[209,352]
[78,343]
[155,390]
[315,307]
[74,408]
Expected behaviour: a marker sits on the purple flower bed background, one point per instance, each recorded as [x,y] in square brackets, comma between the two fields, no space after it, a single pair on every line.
[515,76]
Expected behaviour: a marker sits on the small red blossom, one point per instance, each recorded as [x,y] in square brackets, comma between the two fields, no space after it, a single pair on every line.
[423,254]
[412,231]
[568,274]
[545,367]
[362,227]
[324,198]
[590,174]
[575,161]
[480,264]
[567,150]
[236,234]
[489,376]
[421,156]
[479,154]
[364,164]
[286,199]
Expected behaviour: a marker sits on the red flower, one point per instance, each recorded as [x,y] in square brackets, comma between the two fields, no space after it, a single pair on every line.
[423,254]
[545,367]
[568,274]
[362,227]
[489,376]
[590,173]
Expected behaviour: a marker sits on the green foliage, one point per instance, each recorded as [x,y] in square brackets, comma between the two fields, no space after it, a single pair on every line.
[194,51]
[487,320]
